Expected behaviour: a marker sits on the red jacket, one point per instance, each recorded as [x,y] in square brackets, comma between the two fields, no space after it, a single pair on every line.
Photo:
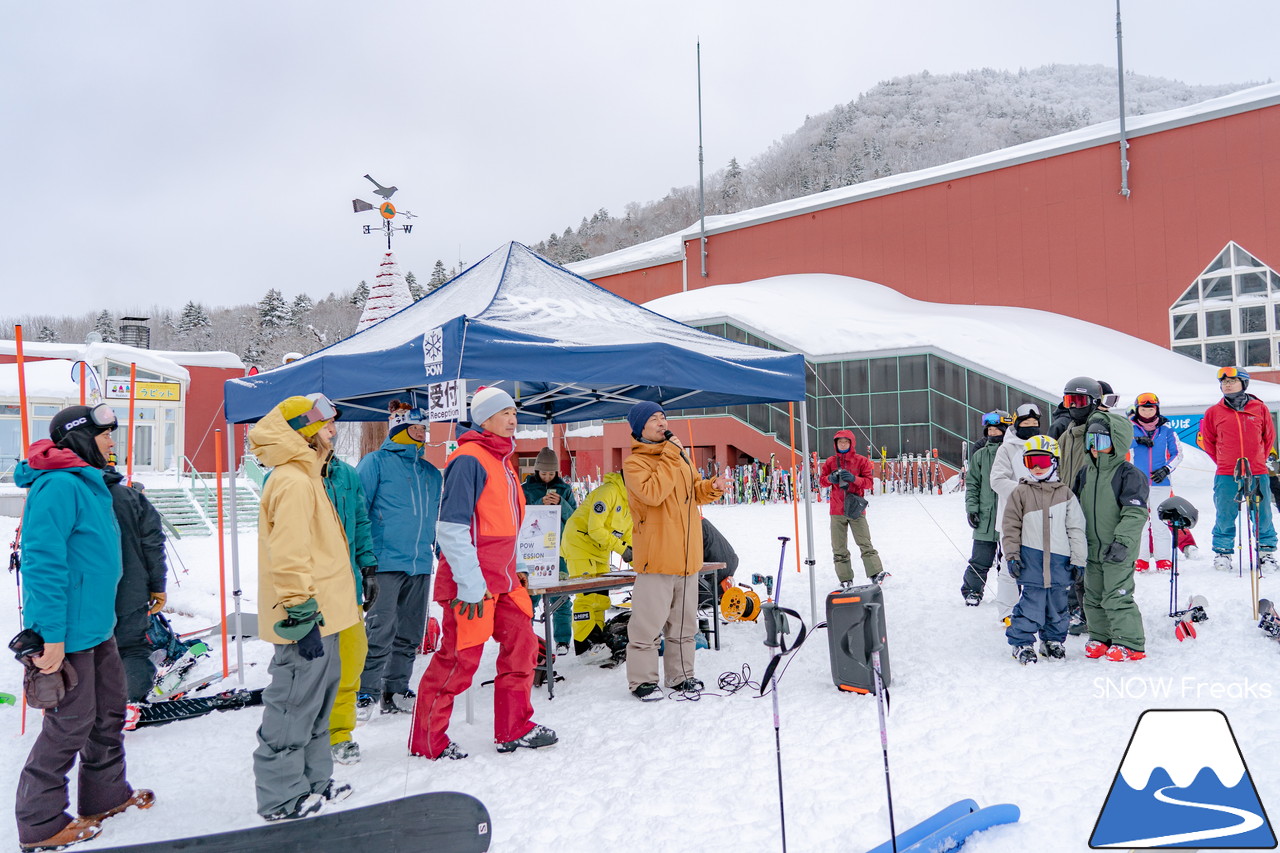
[860,466]
[1228,435]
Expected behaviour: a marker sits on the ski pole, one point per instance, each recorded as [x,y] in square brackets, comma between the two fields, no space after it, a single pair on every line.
[877,643]
[773,622]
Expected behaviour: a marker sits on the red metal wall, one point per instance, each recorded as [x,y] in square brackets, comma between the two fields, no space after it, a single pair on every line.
[1052,234]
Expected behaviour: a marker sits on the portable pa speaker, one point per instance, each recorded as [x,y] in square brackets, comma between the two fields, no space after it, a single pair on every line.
[856,627]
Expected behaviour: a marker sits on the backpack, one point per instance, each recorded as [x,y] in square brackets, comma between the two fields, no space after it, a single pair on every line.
[166,645]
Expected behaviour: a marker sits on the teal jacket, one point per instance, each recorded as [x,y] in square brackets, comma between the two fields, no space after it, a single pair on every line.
[71,562]
[342,485]
[402,493]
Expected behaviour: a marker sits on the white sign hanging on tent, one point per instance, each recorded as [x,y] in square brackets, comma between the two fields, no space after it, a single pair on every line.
[538,545]
[445,400]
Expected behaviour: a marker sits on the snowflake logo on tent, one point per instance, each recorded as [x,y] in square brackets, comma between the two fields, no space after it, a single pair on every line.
[433,345]
[1183,783]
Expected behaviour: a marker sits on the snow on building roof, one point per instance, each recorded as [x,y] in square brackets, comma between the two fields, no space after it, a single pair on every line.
[214,358]
[146,359]
[49,379]
[833,317]
[671,247]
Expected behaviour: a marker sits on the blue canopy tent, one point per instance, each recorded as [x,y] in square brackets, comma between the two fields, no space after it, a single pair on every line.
[563,347]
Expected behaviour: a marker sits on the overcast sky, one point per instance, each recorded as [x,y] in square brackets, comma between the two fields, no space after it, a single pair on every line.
[156,152]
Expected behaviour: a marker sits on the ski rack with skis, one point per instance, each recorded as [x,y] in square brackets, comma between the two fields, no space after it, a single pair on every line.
[159,713]
[949,828]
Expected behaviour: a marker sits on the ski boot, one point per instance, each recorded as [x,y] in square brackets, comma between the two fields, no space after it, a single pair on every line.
[1052,649]
[1222,562]
[1141,565]
[1267,563]
[398,703]
[1077,625]
[880,577]
[1123,653]
[1164,565]
[1095,649]
[347,752]
[1191,552]
[562,649]
[1024,654]
[972,599]
[364,707]
[536,738]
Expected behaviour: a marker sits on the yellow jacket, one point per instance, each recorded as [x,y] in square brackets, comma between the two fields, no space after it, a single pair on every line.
[600,525]
[664,491]
[302,550]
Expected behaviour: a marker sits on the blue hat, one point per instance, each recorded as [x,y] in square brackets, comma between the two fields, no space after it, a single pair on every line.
[640,414]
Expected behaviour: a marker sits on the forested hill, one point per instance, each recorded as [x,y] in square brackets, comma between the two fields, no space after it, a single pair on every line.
[898,126]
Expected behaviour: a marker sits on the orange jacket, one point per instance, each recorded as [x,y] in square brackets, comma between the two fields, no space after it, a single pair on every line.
[664,491]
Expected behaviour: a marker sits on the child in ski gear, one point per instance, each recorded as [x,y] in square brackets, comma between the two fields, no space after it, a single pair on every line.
[597,529]
[481,510]
[980,506]
[1238,433]
[1006,471]
[307,596]
[142,585]
[1156,453]
[1044,538]
[1113,494]
[342,485]
[545,486]
[402,491]
[71,567]
[664,491]
[849,473]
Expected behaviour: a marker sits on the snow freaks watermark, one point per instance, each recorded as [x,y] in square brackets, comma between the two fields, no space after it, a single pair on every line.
[1182,782]
[1187,687]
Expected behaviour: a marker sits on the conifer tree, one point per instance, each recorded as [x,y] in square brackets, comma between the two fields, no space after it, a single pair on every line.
[438,276]
[106,327]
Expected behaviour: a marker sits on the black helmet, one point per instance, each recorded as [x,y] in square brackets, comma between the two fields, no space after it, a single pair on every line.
[1083,385]
[1178,513]
[1100,426]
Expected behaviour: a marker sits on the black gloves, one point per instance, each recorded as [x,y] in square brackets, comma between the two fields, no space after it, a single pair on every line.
[1159,475]
[1117,552]
[973,520]
[309,646]
[840,476]
[1077,573]
[1015,567]
[370,576]
[626,554]
[468,609]
[1144,440]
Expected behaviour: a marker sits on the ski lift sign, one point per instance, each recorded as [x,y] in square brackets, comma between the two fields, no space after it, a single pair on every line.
[444,400]
[538,545]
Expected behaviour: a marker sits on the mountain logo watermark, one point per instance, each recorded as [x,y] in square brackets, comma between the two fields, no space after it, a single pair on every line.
[1183,783]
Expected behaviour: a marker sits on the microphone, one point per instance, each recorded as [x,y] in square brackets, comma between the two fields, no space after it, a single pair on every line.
[667,435]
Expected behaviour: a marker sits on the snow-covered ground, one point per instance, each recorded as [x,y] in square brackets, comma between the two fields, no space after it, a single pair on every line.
[966,721]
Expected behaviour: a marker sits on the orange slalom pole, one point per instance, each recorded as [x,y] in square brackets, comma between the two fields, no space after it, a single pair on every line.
[795,486]
[26,441]
[222,565]
[133,397]
[82,383]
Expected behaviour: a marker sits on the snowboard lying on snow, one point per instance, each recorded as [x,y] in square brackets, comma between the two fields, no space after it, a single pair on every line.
[442,820]
[949,828]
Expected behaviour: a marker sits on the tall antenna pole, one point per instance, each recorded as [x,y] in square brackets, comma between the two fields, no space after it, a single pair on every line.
[702,201]
[1124,143]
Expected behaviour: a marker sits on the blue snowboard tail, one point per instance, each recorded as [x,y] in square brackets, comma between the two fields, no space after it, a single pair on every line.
[953,835]
[929,825]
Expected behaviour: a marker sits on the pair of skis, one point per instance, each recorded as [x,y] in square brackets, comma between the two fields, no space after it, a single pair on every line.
[1249,497]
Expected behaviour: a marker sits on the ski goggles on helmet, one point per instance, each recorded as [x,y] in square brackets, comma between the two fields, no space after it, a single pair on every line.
[997,418]
[1029,410]
[1231,373]
[322,409]
[1076,401]
[100,418]
[1038,459]
[1097,441]
[1147,400]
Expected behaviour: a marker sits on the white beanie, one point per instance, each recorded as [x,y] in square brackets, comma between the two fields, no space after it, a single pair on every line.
[487,402]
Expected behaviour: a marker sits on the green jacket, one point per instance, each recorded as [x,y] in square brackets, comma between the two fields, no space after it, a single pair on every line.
[1113,493]
[342,485]
[979,497]
[1071,453]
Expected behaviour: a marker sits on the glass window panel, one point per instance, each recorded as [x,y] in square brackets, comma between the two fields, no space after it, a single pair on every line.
[1221,354]
[10,444]
[1243,258]
[1275,282]
[141,413]
[733,333]
[1192,294]
[915,439]
[985,394]
[810,381]
[758,416]
[11,409]
[913,372]
[1217,324]
[829,414]
[1222,262]
[884,374]
[950,414]
[884,409]
[170,414]
[914,406]
[1186,326]
[1253,319]
[1217,287]
[886,437]
[46,411]
[855,377]
[1193,351]
[947,377]
[948,444]
[1255,352]
[1251,283]
[829,378]
[857,410]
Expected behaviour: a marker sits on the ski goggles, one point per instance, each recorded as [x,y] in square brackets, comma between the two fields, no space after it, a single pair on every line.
[997,418]
[1097,441]
[100,418]
[1029,410]
[322,409]
[1076,401]
[1148,400]
[1231,373]
[1038,460]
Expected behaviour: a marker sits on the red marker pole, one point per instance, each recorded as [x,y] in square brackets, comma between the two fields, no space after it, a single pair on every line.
[222,565]
[133,399]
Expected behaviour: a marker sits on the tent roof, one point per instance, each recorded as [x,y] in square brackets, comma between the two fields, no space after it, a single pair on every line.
[566,349]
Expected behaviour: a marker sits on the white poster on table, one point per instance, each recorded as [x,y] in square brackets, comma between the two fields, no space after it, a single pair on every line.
[539,545]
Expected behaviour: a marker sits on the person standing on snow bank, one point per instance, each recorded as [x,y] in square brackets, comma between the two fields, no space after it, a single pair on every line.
[306,597]
[980,502]
[1044,538]
[481,510]
[850,476]
[71,567]
[1237,432]
[664,492]
[1156,453]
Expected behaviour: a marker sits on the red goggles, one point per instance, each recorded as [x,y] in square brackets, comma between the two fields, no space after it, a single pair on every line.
[1076,401]
[1148,400]
[1228,373]
[1038,460]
